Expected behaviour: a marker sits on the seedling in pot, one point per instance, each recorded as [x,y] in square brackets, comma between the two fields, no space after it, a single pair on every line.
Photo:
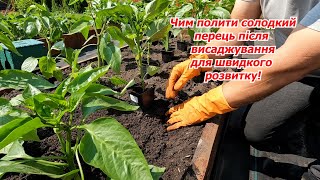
[141,27]
[182,45]
[98,18]
[167,55]
[143,97]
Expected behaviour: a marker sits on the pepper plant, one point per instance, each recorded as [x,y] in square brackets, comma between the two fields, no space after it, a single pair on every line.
[5,40]
[106,144]
[38,21]
[106,49]
[201,9]
[139,28]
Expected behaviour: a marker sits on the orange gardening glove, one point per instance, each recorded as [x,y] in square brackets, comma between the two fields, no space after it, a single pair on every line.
[181,74]
[198,109]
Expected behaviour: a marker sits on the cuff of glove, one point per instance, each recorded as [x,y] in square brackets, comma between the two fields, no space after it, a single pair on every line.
[200,56]
[220,104]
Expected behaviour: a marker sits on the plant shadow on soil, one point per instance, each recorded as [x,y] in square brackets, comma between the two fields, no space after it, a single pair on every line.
[173,150]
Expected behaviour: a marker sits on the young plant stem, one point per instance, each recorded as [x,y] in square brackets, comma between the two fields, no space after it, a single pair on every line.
[79,164]
[148,55]
[139,61]
[49,47]
[60,138]
[98,50]
[78,161]
[97,34]
[69,152]
[166,43]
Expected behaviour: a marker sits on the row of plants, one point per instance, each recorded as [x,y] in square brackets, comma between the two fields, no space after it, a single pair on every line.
[103,143]
[54,5]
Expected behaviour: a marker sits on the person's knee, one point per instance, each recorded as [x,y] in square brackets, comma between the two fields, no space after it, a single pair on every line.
[254,135]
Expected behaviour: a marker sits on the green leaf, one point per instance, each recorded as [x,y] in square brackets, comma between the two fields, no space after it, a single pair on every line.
[110,53]
[62,89]
[185,8]
[191,32]
[118,10]
[90,104]
[118,81]
[53,170]
[30,91]
[58,74]
[74,101]
[107,145]
[50,107]
[59,46]
[17,128]
[5,29]
[31,136]
[14,151]
[130,83]
[14,146]
[55,35]
[85,32]
[117,34]
[154,8]
[80,25]
[219,13]
[176,31]
[47,66]
[152,70]
[27,95]
[9,113]
[84,80]
[31,27]
[29,64]
[45,21]
[98,89]
[72,57]
[156,172]
[8,43]
[72,2]
[158,30]
[86,69]
[16,101]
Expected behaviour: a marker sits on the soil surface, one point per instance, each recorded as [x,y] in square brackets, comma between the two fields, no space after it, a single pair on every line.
[173,150]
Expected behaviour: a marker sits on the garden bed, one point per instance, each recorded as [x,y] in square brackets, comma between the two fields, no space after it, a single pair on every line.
[172,150]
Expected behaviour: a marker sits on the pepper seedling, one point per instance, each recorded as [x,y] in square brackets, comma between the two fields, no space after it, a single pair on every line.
[140,26]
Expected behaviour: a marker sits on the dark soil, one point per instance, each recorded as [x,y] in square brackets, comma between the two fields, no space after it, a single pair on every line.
[172,150]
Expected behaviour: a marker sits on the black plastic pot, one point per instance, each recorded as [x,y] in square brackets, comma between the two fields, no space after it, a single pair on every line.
[171,34]
[182,46]
[155,43]
[167,56]
[144,98]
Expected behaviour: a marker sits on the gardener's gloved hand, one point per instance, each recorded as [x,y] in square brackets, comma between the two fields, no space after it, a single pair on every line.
[181,74]
[198,109]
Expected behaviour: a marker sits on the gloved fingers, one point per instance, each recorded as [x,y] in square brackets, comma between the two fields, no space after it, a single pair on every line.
[173,120]
[170,94]
[182,81]
[175,108]
[175,114]
[185,77]
[174,76]
[175,126]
